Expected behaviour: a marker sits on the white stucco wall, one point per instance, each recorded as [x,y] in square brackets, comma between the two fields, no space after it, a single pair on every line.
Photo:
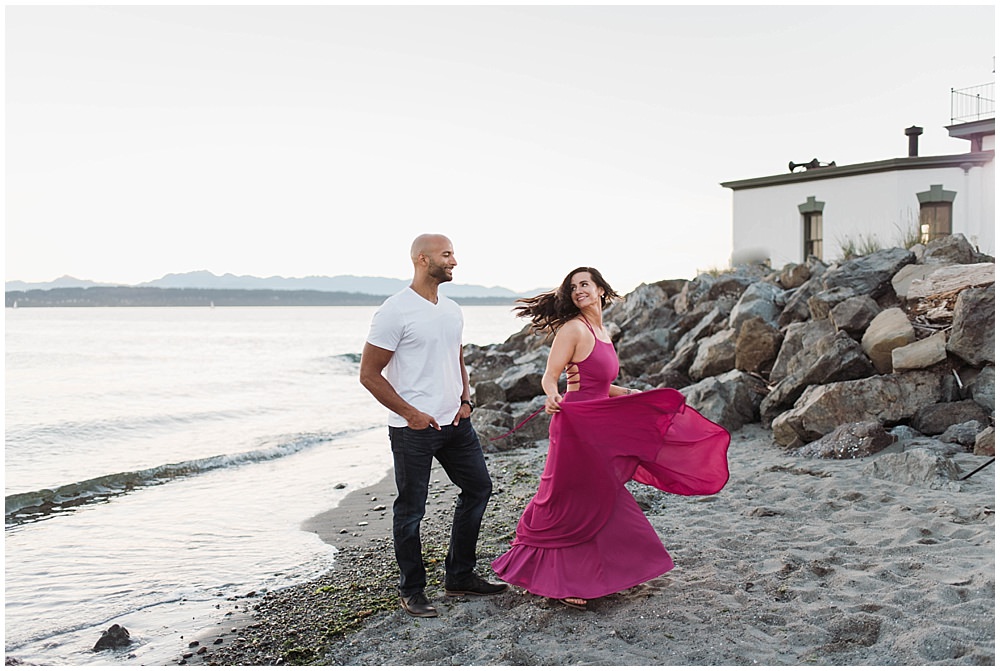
[767,223]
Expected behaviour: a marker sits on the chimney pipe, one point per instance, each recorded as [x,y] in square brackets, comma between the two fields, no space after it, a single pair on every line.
[913,132]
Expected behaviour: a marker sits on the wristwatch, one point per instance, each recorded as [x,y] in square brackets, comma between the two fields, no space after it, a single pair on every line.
[472,406]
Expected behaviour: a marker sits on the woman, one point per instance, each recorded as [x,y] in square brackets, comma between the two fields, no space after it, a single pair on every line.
[583,535]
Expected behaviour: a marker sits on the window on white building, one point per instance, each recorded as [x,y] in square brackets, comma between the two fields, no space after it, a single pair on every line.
[812,228]
[935,213]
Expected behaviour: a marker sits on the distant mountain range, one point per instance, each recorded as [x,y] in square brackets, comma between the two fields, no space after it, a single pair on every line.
[203,279]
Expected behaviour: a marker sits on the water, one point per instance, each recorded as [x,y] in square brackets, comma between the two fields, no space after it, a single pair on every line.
[157,458]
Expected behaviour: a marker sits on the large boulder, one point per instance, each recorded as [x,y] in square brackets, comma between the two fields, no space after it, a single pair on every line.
[951,249]
[645,304]
[800,336]
[921,354]
[522,382]
[917,466]
[647,349]
[491,425]
[757,346]
[889,329]
[886,398]
[963,434]
[730,400]
[933,419]
[949,280]
[869,275]
[985,444]
[973,335]
[716,355]
[831,358]
[486,364]
[797,305]
[902,280]
[794,275]
[488,392]
[854,315]
[850,441]
[710,322]
[761,300]
[983,389]
[682,359]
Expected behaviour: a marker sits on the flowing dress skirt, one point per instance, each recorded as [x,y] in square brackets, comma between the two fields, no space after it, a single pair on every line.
[583,534]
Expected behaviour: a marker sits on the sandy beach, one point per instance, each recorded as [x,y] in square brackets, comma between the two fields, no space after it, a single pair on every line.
[797,561]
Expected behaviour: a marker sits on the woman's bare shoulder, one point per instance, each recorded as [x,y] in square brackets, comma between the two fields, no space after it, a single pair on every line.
[571,329]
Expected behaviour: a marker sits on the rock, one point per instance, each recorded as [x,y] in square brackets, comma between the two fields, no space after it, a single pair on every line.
[850,441]
[834,357]
[730,400]
[683,358]
[869,275]
[854,315]
[984,445]
[490,423]
[973,335]
[885,398]
[951,249]
[670,379]
[951,279]
[707,287]
[637,354]
[527,426]
[902,280]
[646,304]
[983,389]
[708,324]
[797,305]
[921,354]
[889,329]
[935,418]
[716,355]
[963,434]
[757,346]
[794,275]
[759,300]
[522,382]
[798,337]
[488,392]
[903,433]
[115,636]
[914,467]
[488,365]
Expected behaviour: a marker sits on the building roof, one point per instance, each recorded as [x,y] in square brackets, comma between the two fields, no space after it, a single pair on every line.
[965,161]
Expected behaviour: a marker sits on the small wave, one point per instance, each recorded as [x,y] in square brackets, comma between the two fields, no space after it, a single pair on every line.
[32,506]
[115,426]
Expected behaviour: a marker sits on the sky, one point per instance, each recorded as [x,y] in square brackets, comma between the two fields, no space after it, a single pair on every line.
[321,139]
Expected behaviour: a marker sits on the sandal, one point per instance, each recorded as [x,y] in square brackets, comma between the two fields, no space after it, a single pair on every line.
[571,604]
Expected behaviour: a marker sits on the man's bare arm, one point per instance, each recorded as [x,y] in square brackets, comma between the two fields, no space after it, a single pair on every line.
[373,362]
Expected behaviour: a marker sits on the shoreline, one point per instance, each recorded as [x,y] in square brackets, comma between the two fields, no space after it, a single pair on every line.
[796,561]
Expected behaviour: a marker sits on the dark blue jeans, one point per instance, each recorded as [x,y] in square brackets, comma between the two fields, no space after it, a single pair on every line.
[458,451]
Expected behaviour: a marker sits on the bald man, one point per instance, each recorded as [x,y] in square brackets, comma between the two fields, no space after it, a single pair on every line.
[416,341]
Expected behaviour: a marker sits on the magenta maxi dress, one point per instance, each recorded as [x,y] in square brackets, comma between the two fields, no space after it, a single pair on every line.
[583,534]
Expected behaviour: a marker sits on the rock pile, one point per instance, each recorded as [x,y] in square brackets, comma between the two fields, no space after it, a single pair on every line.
[840,360]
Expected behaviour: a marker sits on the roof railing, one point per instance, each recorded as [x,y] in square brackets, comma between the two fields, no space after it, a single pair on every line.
[972,104]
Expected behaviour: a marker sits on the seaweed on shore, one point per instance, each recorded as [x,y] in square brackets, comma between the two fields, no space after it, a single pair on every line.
[297,625]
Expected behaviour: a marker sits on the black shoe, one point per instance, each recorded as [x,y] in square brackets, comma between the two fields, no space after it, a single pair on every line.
[417,605]
[474,586]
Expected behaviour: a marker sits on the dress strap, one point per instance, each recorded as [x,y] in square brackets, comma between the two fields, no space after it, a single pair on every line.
[592,332]
[529,418]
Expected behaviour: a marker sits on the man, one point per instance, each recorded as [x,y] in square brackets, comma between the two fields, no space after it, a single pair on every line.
[416,338]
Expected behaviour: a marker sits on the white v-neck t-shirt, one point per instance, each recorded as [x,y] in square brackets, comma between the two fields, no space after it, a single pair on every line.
[426,342]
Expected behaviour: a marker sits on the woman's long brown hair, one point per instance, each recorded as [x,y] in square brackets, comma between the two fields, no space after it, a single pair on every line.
[554,308]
